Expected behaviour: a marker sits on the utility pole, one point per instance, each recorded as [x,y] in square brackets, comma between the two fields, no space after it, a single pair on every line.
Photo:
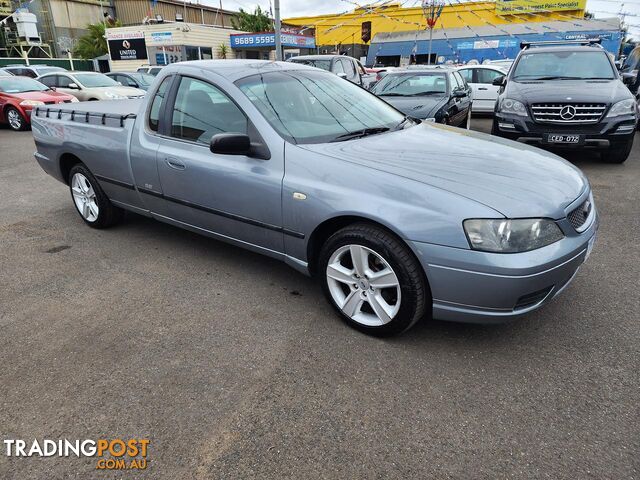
[278,27]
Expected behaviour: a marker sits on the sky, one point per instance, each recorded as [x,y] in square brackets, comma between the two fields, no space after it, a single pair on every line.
[296,8]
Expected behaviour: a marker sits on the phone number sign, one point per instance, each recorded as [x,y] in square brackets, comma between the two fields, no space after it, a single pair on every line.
[248,40]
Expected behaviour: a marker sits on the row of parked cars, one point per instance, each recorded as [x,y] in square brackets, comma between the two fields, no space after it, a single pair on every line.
[25,87]
[555,96]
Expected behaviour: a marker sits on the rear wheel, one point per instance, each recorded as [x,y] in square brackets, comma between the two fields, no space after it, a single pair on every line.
[618,154]
[15,119]
[373,280]
[90,201]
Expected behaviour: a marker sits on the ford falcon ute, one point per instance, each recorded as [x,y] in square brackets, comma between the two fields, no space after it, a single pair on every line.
[276,158]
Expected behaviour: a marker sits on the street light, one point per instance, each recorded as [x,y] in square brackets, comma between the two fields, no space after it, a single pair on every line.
[432,10]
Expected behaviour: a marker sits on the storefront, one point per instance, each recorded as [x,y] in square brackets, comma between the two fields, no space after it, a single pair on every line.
[165,43]
[261,46]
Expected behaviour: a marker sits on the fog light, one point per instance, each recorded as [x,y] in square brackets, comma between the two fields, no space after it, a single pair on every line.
[506,126]
[626,128]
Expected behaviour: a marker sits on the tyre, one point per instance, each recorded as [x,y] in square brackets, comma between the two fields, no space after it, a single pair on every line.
[90,201]
[618,154]
[373,280]
[15,119]
[494,127]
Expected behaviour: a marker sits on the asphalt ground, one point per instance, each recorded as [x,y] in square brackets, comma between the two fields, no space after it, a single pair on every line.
[233,366]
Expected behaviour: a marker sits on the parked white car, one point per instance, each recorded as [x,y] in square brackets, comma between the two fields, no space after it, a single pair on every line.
[86,86]
[480,79]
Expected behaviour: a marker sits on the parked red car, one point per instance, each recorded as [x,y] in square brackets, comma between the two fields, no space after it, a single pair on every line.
[19,95]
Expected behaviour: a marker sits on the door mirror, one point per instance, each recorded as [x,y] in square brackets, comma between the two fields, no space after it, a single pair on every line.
[73,86]
[499,81]
[459,93]
[230,144]
[53,89]
[372,84]
[342,75]
[628,78]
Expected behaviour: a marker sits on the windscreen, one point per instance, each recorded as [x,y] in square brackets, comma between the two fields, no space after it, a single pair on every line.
[92,80]
[323,63]
[307,106]
[564,65]
[412,84]
[21,85]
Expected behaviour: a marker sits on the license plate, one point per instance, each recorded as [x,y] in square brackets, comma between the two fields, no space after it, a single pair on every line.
[592,242]
[564,138]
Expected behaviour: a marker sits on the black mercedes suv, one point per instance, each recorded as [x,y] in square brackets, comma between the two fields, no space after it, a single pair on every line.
[568,96]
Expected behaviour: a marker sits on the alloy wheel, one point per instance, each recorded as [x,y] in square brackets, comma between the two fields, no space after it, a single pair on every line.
[363,285]
[84,196]
[14,119]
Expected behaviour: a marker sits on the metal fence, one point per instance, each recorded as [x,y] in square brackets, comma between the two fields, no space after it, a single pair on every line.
[78,64]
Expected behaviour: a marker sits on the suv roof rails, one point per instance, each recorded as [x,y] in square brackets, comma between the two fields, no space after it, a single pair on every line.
[591,42]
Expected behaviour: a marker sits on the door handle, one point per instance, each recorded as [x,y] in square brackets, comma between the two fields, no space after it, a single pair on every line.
[175,163]
[483,88]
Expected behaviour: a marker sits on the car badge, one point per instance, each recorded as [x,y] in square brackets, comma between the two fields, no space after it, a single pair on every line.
[568,112]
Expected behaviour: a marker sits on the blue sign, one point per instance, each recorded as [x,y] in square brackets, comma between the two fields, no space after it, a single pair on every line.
[253,40]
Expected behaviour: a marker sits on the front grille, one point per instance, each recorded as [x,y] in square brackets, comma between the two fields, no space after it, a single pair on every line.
[565,113]
[578,216]
[67,101]
[532,298]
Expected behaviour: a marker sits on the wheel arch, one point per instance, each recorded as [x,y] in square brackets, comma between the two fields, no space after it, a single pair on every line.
[331,225]
[66,163]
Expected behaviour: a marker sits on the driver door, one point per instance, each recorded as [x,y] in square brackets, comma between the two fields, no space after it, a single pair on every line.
[236,196]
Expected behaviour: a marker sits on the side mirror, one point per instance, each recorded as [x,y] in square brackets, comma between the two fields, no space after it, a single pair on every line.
[73,86]
[628,78]
[53,89]
[342,75]
[499,81]
[373,84]
[459,92]
[230,144]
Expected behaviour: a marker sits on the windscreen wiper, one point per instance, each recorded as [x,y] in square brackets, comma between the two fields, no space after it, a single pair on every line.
[428,92]
[360,133]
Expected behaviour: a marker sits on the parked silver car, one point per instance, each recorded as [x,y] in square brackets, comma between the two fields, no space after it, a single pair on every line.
[400,220]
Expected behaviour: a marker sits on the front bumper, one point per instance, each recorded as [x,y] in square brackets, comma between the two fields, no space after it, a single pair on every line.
[607,133]
[479,287]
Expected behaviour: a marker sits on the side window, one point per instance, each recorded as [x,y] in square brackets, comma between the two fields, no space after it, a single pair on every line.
[467,74]
[349,67]
[487,76]
[49,81]
[63,81]
[27,72]
[460,80]
[337,66]
[201,111]
[454,82]
[126,81]
[156,104]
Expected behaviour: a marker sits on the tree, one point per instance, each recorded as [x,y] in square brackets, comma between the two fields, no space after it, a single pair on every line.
[93,44]
[258,21]
[222,51]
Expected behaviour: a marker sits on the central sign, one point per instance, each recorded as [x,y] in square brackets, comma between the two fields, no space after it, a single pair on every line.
[268,39]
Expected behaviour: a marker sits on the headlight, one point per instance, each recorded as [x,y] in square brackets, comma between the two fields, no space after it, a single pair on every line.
[114,96]
[625,107]
[510,236]
[514,107]
[31,103]
[73,100]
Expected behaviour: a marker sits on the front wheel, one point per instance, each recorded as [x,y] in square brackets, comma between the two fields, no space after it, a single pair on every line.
[618,154]
[15,119]
[373,280]
[90,201]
